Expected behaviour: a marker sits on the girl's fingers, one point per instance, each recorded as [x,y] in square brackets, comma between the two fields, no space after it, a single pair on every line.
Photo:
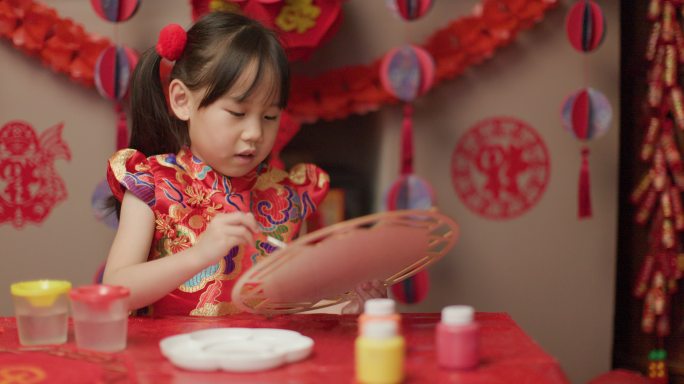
[363,294]
[238,218]
[239,232]
[353,307]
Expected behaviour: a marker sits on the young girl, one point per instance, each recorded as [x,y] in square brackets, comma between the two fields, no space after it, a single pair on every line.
[197,198]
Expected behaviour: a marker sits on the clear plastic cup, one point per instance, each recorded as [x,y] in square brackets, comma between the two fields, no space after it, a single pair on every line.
[100,314]
[41,308]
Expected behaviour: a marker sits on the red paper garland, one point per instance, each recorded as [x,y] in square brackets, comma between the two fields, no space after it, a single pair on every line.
[464,42]
[62,45]
[65,47]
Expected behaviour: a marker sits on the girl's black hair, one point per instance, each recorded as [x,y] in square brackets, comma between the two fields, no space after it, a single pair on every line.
[219,47]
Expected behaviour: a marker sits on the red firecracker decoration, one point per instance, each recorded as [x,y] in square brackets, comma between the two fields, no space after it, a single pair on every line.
[658,194]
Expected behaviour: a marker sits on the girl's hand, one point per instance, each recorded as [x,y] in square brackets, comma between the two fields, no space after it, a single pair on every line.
[374,289]
[225,231]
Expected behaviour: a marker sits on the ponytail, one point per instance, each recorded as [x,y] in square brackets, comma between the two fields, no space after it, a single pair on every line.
[154,130]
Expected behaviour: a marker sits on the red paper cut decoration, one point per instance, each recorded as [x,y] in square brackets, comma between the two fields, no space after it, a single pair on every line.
[303,25]
[585,26]
[410,9]
[115,11]
[500,168]
[29,184]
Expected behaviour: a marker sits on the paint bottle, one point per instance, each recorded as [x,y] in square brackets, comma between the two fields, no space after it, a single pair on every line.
[379,353]
[458,338]
[378,309]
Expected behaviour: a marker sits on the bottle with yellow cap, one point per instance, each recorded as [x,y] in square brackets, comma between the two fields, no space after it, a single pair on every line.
[380,353]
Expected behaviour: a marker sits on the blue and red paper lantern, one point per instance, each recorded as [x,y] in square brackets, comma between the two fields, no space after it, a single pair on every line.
[586,114]
[113,70]
[115,11]
[408,72]
[410,9]
[585,26]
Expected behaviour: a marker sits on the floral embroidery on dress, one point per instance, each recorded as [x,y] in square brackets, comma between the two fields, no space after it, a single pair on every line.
[185,194]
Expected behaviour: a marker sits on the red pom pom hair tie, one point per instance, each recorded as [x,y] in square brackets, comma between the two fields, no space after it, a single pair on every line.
[171,42]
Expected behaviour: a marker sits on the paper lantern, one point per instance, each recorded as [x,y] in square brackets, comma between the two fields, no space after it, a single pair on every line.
[113,70]
[586,114]
[410,192]
[302,26]
[115,11]
[99,203]
[410,9]
[585,26]
[407,72]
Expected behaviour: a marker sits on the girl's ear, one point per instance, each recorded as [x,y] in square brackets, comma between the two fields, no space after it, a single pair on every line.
[180,99]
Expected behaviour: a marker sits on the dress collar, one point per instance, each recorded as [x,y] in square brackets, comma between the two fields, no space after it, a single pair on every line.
[202,172]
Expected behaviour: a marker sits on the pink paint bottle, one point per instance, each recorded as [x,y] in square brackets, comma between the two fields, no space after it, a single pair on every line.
[458,338]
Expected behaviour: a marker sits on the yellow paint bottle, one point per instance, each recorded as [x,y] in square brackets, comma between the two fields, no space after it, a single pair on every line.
[380,353]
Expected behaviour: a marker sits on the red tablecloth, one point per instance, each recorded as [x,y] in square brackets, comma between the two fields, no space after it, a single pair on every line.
[508,354]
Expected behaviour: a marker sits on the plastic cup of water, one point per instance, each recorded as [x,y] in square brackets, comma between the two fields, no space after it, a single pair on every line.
[100,314]
[41,308]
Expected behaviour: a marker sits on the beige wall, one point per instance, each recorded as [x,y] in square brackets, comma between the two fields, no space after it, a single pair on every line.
[553,274]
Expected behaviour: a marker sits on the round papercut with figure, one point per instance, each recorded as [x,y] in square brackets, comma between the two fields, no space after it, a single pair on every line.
[500,168]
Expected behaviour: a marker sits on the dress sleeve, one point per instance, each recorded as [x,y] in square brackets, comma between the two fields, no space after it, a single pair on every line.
[130,170]
[312,185]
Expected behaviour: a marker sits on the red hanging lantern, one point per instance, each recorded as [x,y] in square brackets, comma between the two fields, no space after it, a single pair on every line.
[586,115]
[585,26]
[113,70]
[112,73]
[408,72]
[302,26]
[410,9]
[115,11]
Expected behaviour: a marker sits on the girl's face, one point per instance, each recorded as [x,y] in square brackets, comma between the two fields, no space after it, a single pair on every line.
[234,136]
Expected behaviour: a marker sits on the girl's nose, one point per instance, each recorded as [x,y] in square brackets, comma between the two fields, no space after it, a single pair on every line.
[252,131]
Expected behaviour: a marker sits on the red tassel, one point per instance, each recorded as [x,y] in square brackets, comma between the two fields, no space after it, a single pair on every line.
[584,193]
[121,127]
[407,141]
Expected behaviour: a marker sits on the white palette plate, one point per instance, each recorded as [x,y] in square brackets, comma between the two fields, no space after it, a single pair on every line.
[236,349]
[322,268]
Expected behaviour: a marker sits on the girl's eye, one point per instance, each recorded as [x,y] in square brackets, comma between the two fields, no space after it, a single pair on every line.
[236,114]
[273,117]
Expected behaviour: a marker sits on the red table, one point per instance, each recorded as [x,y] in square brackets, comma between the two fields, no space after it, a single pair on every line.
[508,354]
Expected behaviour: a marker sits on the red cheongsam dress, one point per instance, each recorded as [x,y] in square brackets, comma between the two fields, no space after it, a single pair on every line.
[184,194]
